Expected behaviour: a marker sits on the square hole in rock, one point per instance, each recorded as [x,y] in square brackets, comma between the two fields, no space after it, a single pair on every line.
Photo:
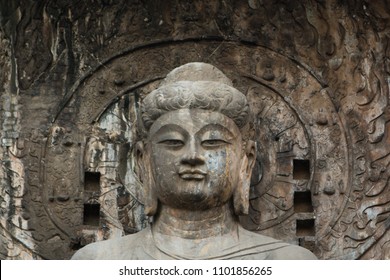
[303,202]
[301,169]
[305,227]
[92,181]
[91,214]
[308,244]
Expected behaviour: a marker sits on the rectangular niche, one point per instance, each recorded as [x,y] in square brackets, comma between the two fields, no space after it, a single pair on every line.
[301,169]
[305,228]
[91,215]
[303,202]
[307,242]
[92,181]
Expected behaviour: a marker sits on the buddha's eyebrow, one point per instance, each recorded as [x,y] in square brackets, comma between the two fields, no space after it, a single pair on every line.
[215,126]
[168,128]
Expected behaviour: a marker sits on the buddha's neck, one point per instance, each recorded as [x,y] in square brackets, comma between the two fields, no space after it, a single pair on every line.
[195,224]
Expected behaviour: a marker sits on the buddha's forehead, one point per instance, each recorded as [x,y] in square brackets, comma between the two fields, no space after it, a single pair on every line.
[193,120]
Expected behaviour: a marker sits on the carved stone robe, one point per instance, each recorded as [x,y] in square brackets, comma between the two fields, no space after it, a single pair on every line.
[142,246]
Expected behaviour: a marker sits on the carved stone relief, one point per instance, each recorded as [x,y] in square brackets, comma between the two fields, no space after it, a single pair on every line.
[316,77]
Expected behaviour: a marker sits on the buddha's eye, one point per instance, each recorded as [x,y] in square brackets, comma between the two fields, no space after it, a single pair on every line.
[174,143]
[210,143]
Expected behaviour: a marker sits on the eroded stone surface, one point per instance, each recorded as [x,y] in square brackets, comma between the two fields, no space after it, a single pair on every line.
[315,75]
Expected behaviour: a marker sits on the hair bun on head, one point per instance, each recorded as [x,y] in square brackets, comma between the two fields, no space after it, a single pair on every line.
[196,85]
[196,71]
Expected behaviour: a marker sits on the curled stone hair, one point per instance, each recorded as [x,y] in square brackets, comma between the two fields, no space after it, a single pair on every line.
[196,86]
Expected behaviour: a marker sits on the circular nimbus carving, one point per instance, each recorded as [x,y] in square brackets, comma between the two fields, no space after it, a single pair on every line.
[301,180]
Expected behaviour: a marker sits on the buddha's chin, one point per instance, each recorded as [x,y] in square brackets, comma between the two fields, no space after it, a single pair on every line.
[196,196]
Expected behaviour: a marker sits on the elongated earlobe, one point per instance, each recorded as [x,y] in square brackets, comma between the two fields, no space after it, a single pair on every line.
[150,196]
[147,179]
[241,193]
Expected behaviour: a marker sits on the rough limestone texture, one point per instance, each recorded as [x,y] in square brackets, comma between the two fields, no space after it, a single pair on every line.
[316,75]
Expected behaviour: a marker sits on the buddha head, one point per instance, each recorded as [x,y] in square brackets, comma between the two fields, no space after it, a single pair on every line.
[195,153]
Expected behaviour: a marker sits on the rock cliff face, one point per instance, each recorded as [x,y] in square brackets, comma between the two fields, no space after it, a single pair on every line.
[316,74]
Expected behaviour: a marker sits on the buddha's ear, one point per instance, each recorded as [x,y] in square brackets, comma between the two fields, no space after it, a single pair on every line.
[241,193]
[250,151]
[147,178]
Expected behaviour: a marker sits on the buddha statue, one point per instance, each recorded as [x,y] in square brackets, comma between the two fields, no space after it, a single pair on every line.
[195,162]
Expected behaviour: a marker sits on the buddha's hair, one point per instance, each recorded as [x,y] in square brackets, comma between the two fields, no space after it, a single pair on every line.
[196,86]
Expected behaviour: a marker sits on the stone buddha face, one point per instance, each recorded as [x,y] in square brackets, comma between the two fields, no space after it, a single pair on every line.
[194,156]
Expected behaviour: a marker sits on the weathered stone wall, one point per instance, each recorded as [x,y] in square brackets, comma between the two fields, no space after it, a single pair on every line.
[316,74]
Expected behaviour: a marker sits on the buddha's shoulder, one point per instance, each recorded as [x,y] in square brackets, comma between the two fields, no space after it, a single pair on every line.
[277,249]
[251,237]
[116,248]
[292,252]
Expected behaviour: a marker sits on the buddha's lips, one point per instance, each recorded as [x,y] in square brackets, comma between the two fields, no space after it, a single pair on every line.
[190,174]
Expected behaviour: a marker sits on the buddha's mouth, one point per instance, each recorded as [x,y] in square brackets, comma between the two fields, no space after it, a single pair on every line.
[192,174]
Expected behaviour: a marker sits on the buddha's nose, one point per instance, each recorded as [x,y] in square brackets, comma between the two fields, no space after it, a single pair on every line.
[193,155]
